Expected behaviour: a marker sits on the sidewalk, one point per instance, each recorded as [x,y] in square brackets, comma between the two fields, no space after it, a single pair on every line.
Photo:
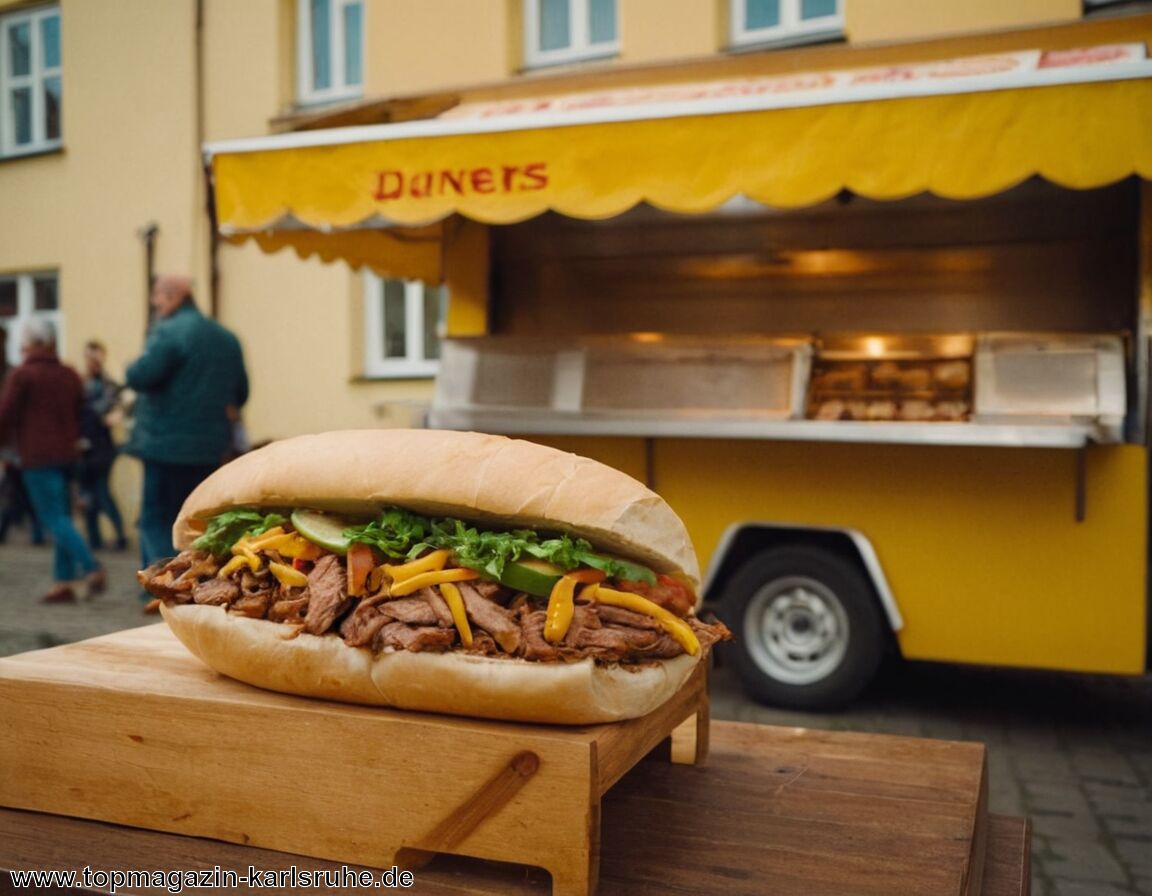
[26,624]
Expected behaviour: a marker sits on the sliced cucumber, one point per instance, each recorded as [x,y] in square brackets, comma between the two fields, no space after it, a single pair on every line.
[324,529]
[531,576]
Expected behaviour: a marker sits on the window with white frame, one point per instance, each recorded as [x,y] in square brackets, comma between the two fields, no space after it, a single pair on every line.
[785,21]
[30,82]
[402,326]
[25,296]
[330,59]
[560,31]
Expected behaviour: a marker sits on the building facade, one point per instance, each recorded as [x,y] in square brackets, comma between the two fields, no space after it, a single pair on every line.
[105,105]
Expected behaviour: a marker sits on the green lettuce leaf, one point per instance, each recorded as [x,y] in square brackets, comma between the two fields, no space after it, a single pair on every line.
[227,528]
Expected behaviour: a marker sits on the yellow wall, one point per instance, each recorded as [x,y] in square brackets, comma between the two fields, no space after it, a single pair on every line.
[131,157]
[870,21]
[421,46]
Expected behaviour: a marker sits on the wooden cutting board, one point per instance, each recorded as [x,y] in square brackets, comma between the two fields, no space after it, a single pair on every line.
[130,728]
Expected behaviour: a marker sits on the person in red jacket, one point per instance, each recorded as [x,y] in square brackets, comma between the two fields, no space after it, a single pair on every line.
[40,412]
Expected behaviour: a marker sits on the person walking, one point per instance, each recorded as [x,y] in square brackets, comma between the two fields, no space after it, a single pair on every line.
[14,504]
[101,393]
[190,384]
[40,410]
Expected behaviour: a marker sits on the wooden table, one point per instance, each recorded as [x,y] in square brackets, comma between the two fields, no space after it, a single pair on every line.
[776,811]
[773,811]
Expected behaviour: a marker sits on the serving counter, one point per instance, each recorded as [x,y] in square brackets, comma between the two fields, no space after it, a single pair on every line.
[771,810]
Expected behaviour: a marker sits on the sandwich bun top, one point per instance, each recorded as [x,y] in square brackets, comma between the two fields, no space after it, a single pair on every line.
[484,479]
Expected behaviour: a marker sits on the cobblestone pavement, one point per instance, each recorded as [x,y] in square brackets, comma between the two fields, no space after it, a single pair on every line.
[1073,752]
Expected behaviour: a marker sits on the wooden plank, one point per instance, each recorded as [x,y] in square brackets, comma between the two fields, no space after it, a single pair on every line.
[131,729]
[1008,870]
[907,806]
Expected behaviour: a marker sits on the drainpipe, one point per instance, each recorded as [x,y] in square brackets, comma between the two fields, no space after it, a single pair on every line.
[204,178]
[148,234]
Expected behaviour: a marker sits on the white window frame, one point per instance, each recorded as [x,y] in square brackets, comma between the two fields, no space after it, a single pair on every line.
[581,49]
[792,29]
[35,80]
[306,92]
[413,364]
[26,310]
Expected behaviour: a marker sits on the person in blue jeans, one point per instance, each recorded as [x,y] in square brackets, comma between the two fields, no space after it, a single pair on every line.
[40,412]
[101,394]
[190,384]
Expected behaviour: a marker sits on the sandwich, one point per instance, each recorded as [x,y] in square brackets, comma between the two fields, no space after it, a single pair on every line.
[449,572]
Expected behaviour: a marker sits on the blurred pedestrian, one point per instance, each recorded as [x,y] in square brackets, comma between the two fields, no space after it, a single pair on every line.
[15,507]
[190,384]
[40,409]
[101,394]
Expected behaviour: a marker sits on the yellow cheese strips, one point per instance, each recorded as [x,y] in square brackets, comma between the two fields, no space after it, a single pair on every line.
[451,595]
[674,625]
[435,577]
[433,562]
[264,539]
[561,608]
[232,565]
[287,576]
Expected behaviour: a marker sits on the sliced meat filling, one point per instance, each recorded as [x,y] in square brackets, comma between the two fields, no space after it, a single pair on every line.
[327,594]
[500,623]
[503,623]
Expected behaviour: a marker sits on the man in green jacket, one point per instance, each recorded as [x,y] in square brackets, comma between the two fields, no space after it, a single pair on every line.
[190,384]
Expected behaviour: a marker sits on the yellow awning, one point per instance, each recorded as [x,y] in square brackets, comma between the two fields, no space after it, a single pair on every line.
[960,145]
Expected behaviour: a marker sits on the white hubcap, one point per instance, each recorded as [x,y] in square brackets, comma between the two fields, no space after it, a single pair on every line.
[796,629]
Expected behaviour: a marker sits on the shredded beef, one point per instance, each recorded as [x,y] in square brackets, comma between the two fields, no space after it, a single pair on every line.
[413,610]
[254,606]
[361,625]
[201,565]
[499,623]
[158,580]
[491,590]
[533,646]
[327,597]
[415,638]
[583,618]
[219,592]
[620,616]
[504,623]
[483,644]
[289,610]
[443,615]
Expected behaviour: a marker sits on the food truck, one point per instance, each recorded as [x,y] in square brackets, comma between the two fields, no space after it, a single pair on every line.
[880,336]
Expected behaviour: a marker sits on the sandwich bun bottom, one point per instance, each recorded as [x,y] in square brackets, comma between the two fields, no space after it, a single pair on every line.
[265,654]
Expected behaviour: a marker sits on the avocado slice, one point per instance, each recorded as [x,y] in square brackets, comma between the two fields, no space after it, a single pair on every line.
[531,576]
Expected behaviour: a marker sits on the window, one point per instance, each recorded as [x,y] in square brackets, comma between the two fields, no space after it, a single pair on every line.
[24,296]
[30,81]
[331,50]
[785,21]
[402,323]
[559,31]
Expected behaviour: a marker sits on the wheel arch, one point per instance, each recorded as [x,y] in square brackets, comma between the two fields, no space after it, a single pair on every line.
[744,539]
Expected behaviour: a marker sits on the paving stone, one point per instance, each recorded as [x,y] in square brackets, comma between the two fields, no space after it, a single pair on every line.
[1043,766]
[1136,854]
[1089,888]
[1083,860]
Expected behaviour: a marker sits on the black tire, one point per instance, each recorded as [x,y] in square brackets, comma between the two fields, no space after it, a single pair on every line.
[809,633]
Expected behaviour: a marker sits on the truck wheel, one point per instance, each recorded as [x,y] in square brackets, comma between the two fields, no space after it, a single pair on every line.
[808,631]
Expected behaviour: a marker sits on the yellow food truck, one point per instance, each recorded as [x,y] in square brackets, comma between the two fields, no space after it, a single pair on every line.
[881,338]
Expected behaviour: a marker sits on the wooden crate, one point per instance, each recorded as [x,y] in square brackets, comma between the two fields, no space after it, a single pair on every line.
[130,728]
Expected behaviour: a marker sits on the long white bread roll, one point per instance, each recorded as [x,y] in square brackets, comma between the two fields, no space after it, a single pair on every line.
[480,478]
